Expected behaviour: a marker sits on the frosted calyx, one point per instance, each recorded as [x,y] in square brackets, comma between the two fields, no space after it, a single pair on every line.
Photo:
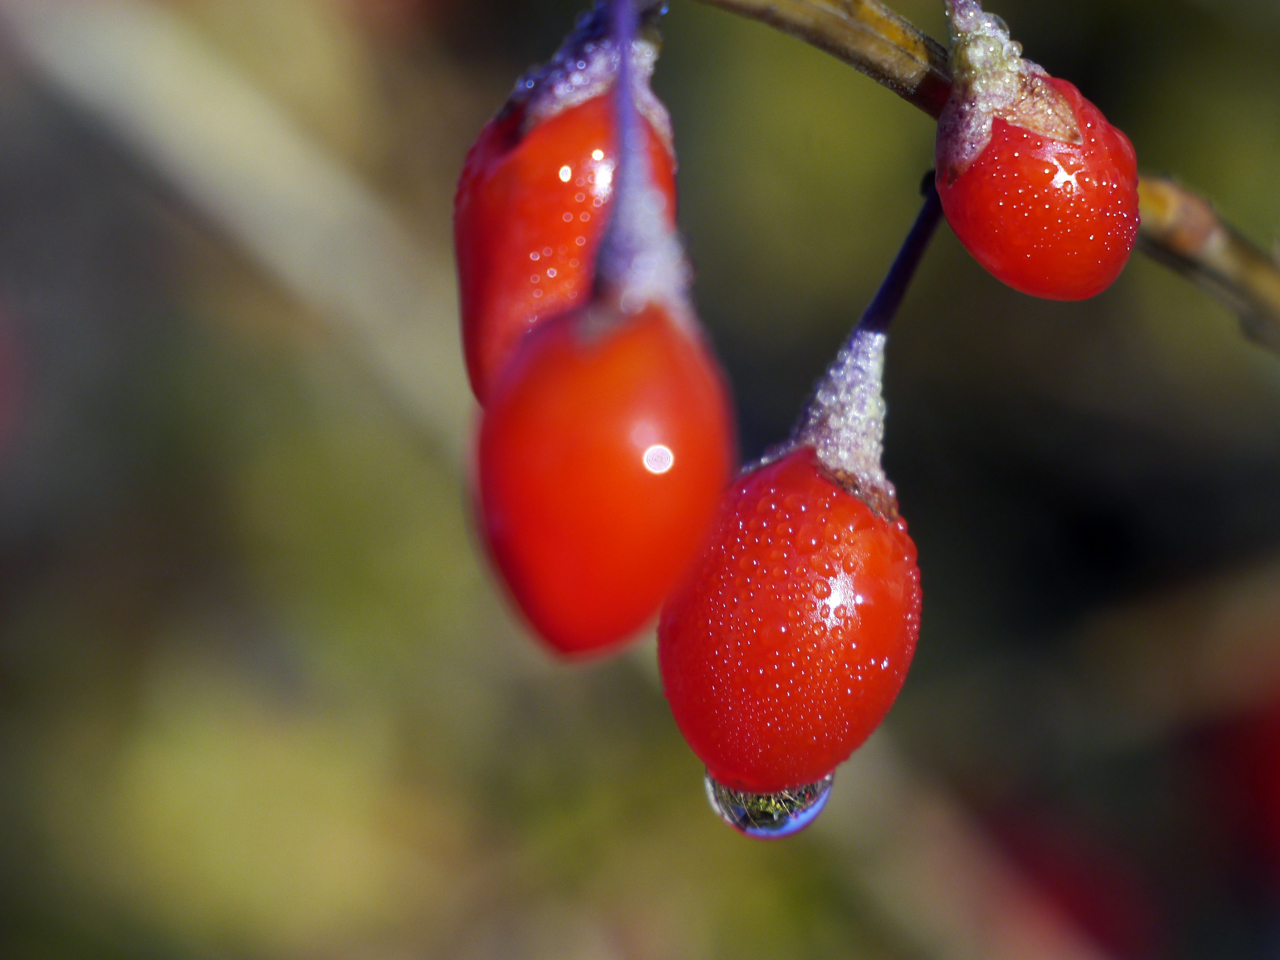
[844,422]
[585,67]
[991,79]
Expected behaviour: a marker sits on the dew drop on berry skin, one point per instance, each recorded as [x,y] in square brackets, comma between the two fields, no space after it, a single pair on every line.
[1065,231]
[769,816]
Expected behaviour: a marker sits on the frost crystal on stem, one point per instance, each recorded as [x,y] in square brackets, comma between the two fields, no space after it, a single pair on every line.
[641,259]
[844,421]
[585,67]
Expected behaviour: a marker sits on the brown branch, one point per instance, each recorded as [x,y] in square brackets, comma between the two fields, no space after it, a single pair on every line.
[1179,228]
[866,35]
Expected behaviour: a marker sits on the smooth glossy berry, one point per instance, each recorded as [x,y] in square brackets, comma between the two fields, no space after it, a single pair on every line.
[534,200]
[789,641]
[603,453]
[1034,181]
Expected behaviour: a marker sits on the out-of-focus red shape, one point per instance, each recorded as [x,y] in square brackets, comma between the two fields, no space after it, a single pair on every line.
[603,452]
[1090,882]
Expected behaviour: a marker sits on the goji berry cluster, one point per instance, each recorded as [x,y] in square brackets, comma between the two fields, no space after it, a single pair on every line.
[790,599]
[607,435]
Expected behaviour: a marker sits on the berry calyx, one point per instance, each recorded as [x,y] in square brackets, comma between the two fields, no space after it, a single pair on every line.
[603,454]
[789,642]
[1034,181]
[536,190]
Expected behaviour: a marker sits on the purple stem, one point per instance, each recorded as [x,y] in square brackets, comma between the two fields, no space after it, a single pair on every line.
[624,240]
[884,306]
[844,420]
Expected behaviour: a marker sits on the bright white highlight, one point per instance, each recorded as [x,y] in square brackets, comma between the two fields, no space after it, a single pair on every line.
[604,180]
[566,173]
[1062,178]
[597,154]
[659,459]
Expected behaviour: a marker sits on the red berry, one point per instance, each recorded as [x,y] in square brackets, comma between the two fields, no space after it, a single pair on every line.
[531,207]
[1034,181]
[791,637]
[603,452]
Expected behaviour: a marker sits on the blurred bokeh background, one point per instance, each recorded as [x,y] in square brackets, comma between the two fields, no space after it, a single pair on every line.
[259,696]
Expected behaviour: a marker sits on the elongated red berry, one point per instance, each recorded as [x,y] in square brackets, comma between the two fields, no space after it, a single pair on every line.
[603,453]
[606,442]
[789,642]
[535,195]
[1035,182]
[790,639]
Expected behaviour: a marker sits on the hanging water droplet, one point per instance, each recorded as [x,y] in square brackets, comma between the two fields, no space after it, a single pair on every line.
[769,815]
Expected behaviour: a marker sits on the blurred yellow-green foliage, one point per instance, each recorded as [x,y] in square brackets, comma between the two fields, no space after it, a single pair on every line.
[260,697]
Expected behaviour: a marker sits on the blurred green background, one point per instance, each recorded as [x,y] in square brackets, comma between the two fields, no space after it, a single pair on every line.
[259,695]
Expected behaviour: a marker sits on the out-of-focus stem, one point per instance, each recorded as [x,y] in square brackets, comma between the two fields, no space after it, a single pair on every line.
[388,295]
[1183,231]
[866,35]
[1179,228]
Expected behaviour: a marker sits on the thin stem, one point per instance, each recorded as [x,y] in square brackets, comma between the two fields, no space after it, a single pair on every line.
[884,307]
[896,54]
[624,238]
[844,419]
[641,260]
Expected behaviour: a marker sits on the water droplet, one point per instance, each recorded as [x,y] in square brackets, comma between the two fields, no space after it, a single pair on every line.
[768,816]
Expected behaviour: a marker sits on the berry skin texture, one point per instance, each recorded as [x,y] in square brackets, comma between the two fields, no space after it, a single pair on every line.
[530,211]
[602,456]
[790,639]
[1052,218]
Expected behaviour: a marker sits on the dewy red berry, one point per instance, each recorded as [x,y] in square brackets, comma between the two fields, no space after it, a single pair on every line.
[535,194]
[790,639]
[1035,182]
[607,441]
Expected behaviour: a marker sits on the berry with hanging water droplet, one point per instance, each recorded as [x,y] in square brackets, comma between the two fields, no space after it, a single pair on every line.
[789,641]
